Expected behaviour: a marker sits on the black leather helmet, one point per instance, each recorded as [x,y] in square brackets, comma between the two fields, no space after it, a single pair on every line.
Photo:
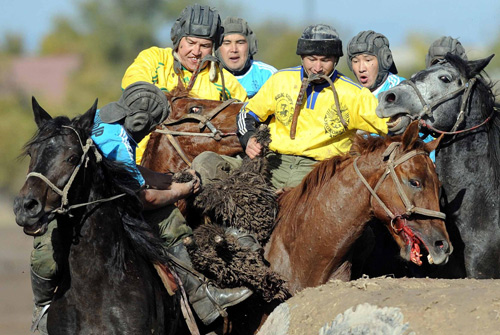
[440,47]
[320,39]
[199,21]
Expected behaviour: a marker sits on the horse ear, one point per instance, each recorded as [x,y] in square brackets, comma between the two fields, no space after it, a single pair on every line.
[476,66]
[410,136]
[432,145]
[41,116]
[86,121]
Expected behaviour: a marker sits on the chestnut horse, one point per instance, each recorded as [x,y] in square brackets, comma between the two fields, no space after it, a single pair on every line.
[391,179]
[194,126]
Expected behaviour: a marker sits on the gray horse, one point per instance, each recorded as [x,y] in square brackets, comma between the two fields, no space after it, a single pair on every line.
[454,99]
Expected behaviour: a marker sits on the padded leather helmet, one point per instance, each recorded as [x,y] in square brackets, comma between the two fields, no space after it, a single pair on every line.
[320,39]
[199,21]
[440,47]
[236,25]
[376,44]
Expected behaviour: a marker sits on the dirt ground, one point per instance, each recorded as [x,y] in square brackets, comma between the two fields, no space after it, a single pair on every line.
[428,306]
[15,288]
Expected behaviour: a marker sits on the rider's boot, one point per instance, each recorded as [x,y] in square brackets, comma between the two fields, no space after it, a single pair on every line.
[43,291]
[245,240]
[207,300]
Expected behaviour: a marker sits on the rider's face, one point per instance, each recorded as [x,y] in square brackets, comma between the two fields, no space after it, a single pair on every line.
[234,51]
[319,64]
[365,68]
[191,51]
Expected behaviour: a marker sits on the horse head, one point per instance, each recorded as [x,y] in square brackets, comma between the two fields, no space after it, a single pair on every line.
[193,126]
[438,95]
[409,198]
[56,152]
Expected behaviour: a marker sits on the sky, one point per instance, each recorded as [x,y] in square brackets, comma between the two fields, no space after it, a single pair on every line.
[474,22]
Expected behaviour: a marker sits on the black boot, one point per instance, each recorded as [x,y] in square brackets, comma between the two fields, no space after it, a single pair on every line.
[43,290]
[245,240]
[207,300]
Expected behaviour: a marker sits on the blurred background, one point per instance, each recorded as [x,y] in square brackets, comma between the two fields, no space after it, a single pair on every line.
[67,53]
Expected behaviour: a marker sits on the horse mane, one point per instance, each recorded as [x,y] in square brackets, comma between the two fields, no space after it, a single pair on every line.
[491,108]
[326,169]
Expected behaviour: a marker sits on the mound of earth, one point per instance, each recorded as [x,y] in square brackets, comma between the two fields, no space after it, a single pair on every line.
[419,306]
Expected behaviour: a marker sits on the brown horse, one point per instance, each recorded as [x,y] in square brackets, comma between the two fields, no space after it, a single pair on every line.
[194,126]
[320,219]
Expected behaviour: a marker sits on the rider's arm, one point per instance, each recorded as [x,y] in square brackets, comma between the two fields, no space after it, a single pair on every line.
[152,198]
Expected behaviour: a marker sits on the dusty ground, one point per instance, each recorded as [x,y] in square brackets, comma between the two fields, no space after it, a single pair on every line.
[15,287]
[428,306]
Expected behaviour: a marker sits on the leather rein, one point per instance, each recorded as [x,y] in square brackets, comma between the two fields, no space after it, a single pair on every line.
[392,162]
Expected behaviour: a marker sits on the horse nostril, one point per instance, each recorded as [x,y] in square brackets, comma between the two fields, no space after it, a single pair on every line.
[31,204]
[390,97]
[442,245]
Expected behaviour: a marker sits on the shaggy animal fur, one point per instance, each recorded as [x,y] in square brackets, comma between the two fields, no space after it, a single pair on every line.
[245,200]
[221,259]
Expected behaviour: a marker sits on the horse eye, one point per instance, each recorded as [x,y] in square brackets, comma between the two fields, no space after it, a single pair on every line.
[195,110]
[415,183]
[73,160]
[445,79]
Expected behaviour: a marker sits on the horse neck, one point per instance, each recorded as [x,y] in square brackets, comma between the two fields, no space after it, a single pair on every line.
[470,198]
[309,244]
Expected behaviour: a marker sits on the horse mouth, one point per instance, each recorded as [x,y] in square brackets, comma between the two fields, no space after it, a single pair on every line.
[39,227]
[398,123]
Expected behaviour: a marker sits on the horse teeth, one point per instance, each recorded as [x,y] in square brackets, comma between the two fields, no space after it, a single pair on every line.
[429,258]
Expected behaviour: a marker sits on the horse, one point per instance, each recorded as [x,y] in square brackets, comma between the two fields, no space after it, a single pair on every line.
[454,98]
[319,221]
[104,249]
[193,126]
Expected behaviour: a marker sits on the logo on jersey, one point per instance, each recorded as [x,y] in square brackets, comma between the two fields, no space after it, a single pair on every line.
[284,108]
[333,126]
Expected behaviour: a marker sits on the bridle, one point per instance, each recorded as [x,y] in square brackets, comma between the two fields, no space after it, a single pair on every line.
[398,221]
[429,107]
[203,121]
[64,208]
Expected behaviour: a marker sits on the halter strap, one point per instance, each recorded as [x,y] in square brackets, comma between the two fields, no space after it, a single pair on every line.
[390,170]
[64,208]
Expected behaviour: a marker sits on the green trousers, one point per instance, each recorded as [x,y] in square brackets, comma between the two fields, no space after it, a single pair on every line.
[171,223]
[286,170]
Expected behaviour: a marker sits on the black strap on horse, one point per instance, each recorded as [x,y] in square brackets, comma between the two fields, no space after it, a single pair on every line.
[305,83]
[392,163]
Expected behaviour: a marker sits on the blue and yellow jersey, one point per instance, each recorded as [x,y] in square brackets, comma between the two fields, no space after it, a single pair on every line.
[156,65]
[320,133]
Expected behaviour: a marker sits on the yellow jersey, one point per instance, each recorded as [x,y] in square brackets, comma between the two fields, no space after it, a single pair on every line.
[156,65]
[319,133]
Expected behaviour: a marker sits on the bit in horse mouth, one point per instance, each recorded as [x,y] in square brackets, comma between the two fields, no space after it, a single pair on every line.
[39,227]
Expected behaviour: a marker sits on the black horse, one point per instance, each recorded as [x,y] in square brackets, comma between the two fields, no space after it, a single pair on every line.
[104,248]
[455,99]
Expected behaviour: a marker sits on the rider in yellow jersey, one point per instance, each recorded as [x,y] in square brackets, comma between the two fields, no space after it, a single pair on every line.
[322,129]
[162,66]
